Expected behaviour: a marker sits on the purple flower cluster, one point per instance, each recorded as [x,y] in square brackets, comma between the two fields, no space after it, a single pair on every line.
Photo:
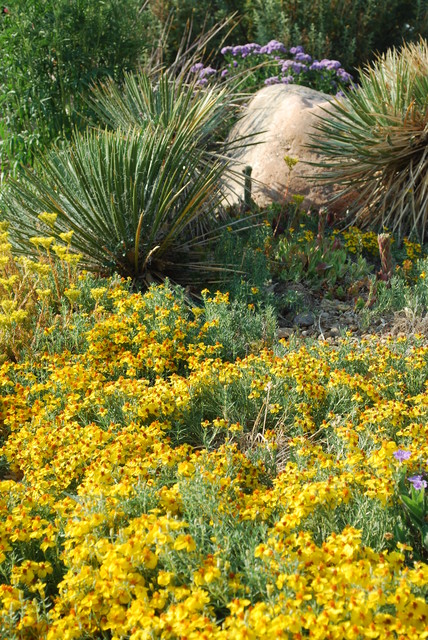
[278,80]
[305,58]
[278,68]
[253,48]
[302,63]
[292,65]
[273,47]
[242,50]
[203,72]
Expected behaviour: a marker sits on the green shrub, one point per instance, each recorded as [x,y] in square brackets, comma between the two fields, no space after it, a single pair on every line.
[185,19]
[51,53]
[348,30]
[375,143]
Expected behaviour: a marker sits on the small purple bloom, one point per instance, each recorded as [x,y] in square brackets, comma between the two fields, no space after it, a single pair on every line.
[331,65]
[246,49]
[226,50]
[272,80]
[196,67]
[272,46]
[401,455]
[287,80]
[295,50]
[343,75]
[207,71]
[303,57]
[295,67]
[224,73]
[316,66]
[418,482]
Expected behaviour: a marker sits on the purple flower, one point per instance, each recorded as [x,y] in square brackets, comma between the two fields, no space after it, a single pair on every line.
[295,67]
[418,482]
[272,80]
[295,50]
[272,46]
[226,50]
[207,71]
[245,50]
[343,75]
[196,67]
[330,65]
[224,73]
[303,57]
[287,79]
[401,455]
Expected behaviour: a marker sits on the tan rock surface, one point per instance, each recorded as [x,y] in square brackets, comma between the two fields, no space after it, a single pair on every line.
[283,117]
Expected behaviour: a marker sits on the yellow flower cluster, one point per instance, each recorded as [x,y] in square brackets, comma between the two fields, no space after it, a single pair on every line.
[26,284]
[413,249]
[117,520]
[356,240]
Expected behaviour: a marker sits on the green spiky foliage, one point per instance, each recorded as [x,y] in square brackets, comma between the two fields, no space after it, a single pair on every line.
[131,196]
[142,103]
[375,143]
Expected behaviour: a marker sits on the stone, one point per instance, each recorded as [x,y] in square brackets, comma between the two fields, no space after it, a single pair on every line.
[284,332]
[304,319]
[283,118]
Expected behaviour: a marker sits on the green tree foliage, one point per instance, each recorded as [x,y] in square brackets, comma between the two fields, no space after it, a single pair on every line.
[351,31]
[52,50]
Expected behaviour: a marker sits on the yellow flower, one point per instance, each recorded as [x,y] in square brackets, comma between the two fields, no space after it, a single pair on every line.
[66,236]
[42,241]
[72,294]
[48,218]
[98,292]
[184,542]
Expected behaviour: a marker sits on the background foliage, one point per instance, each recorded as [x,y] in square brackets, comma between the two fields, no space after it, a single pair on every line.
[348,30]
[51,53]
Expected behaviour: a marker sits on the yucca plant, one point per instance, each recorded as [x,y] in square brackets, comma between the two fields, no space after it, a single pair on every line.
[132,196]
[375,143]
[146,101]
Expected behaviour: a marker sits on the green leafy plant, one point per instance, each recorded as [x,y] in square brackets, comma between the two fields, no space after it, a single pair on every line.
[134,198]
[320,260]
[375,147]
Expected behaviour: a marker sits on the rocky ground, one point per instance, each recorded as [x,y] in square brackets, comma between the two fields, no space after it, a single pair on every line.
[331,318]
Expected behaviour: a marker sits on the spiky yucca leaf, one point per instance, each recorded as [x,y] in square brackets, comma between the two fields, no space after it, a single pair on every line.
[128,197]
[375,143]
[150,100]
[159,100]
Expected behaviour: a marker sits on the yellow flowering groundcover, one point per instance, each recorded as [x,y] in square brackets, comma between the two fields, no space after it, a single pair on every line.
[156,488]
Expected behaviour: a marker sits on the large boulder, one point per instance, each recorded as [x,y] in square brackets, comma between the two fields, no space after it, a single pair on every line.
[283,117]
